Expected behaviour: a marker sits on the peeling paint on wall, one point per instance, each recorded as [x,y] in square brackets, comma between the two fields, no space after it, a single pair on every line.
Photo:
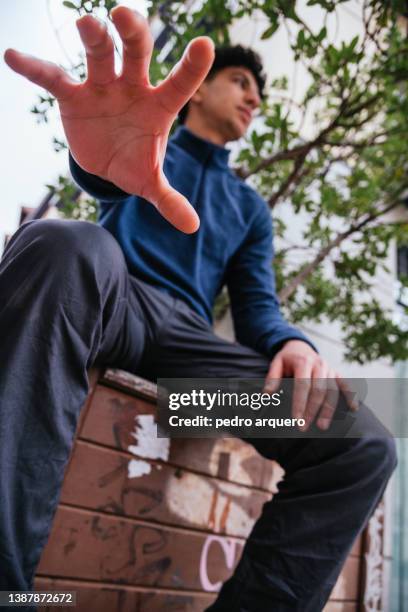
[214,507]
[230,460]
[235,471]
[147,443]
[137,468]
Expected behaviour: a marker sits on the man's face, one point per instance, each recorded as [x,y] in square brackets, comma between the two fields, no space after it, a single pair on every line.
[228,100]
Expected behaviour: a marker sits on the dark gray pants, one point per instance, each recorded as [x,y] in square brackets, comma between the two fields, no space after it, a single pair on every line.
[68,302]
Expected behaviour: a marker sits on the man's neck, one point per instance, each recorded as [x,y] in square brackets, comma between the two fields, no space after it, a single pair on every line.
[198,128]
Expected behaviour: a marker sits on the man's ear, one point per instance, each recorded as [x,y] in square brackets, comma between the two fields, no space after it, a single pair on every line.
[197,96]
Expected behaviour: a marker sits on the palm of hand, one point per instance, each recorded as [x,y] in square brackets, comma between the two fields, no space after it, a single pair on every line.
[123,139]
[117,126]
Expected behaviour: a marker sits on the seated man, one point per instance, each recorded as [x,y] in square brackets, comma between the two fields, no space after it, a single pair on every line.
[138,294]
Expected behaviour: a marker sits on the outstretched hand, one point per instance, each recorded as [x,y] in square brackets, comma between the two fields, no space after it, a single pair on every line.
[117,126]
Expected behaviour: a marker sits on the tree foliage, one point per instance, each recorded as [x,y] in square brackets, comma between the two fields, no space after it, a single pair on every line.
[339,155]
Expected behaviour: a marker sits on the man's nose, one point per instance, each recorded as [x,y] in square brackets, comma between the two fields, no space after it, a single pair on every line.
[253,99]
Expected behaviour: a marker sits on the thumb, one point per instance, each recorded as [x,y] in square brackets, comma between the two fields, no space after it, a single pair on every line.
[274,375]
[174,206]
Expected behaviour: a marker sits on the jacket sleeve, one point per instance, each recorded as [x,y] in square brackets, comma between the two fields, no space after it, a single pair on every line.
[96,187]
[250,279]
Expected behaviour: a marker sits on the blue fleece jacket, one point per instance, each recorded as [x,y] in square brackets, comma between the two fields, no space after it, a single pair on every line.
[233,246]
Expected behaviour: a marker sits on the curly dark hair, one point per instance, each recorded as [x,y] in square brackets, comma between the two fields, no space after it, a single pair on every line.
[236,55]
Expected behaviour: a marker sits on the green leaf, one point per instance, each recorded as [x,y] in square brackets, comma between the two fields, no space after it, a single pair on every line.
[353,43]
[70,5]
[270,31]
[321,35]
[301,38]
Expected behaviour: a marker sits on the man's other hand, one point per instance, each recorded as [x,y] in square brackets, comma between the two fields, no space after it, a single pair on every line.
[117,126]
[316,385]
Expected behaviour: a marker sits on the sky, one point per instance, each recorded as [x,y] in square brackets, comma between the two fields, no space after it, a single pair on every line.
[27,159]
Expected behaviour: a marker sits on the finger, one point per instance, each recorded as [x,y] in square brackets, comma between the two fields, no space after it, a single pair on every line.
[45,74]
[99,49]
[137,41]
[301,388]
[317,393]
[187,75]
[348,393]
[330,402]
[274,376]
[173,206]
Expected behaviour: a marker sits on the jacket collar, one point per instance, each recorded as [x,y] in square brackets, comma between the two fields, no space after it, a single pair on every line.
[204,151]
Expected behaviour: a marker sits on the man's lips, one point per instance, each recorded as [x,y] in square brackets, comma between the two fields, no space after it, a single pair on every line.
[245,113]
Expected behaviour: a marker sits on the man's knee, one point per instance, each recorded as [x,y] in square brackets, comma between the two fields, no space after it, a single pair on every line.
[63,240]
[384,452]
[377,444]
[369,463]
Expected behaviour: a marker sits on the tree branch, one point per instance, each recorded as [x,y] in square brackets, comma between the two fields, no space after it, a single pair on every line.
[294,247]
[297,280]
[277,157]
[363,105]
[363,143]
[296,152]
[294,178]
